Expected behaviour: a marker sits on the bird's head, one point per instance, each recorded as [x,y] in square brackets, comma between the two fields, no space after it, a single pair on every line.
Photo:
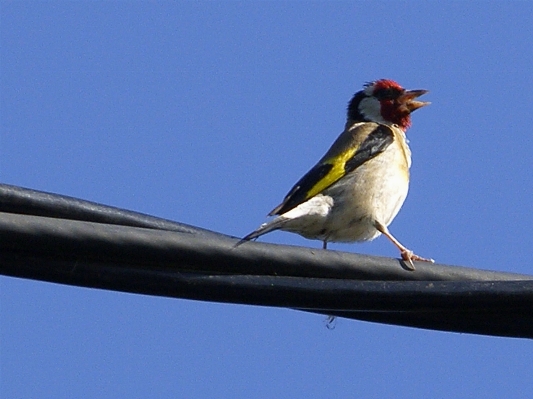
[384,101]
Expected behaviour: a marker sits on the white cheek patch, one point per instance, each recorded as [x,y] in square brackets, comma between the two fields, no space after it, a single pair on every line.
[370,108]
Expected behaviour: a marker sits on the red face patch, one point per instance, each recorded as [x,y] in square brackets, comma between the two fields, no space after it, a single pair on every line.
[387,92]
[392,112]
[384,84]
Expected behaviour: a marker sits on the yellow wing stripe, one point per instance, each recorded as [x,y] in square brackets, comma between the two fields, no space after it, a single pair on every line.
[337,171]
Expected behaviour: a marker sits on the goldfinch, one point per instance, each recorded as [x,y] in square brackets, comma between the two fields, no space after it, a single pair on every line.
[354,192]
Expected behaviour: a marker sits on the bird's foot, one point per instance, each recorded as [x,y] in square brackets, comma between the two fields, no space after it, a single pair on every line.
[409,256]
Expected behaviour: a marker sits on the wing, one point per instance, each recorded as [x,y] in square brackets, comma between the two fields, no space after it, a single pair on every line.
[352,149]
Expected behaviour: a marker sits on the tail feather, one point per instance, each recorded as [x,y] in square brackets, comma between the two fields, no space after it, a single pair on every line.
[265,228]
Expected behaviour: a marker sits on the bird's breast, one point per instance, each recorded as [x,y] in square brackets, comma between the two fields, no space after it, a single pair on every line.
[374,191]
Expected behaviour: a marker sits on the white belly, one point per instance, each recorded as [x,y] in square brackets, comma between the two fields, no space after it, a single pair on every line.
[346,212]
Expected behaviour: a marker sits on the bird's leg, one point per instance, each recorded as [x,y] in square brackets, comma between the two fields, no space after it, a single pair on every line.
[324,244]
[407,255]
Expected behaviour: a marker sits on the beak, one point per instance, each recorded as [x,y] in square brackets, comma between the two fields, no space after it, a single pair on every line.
[408,103]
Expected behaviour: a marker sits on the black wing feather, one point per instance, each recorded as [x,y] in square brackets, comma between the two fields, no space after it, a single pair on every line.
[375,143]
[298,193]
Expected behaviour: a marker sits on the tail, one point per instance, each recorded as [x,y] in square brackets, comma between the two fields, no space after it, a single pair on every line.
[265,228]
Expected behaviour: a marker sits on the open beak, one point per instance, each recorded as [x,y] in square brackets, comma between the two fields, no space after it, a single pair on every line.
[408,103]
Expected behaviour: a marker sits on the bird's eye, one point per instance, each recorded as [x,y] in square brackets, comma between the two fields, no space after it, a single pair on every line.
[386,94]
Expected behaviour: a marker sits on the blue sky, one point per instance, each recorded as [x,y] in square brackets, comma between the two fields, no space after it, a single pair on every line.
[207,113]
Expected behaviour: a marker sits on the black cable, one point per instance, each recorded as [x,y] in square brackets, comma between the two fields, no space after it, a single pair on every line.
[24,201]
[70,241]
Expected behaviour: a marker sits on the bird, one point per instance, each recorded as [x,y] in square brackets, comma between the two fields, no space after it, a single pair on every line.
[357,188]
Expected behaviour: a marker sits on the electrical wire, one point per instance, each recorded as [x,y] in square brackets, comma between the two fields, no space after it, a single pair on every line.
[60,239]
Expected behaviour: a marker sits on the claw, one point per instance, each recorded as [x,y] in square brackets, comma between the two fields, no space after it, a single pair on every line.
[409,256]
